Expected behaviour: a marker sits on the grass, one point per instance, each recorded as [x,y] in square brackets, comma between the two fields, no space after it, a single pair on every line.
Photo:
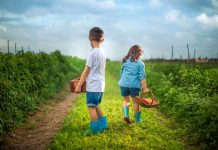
[155,132]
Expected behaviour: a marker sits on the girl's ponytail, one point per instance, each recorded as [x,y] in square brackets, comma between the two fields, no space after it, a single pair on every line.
[133,53]
[126,57]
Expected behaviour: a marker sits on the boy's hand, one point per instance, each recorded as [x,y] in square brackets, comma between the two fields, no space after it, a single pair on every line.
[78,89]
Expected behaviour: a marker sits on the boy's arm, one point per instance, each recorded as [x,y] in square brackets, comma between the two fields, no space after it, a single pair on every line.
[82,79]
[144,86]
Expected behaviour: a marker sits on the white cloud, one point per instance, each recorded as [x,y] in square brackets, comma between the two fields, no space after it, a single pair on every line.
[207,20]
[65,25]
[172,15]
[179,19]
[3,29]
[90,4]
[108,4]
[155,3]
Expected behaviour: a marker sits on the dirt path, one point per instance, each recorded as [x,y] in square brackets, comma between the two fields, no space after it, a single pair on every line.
[39,130]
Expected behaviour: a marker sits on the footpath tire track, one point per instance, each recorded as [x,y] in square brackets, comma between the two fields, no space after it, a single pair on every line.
[40,129]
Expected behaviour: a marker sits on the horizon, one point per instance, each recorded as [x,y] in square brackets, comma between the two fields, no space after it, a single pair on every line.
[155,25]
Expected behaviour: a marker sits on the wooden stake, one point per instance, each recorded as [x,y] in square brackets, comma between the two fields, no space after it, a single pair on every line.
[172,52]
[188,52]
[8,46]
[15,47]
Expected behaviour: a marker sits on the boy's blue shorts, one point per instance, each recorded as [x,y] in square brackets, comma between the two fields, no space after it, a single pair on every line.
[133,92]
[93,98]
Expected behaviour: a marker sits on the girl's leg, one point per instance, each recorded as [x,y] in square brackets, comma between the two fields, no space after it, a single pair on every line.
[126,102]
[136,110]
[136,105]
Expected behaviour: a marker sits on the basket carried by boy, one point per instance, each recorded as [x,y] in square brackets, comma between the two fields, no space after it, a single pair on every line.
[73,84]
[147,100]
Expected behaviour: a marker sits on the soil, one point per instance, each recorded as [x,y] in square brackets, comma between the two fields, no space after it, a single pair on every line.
[39,130]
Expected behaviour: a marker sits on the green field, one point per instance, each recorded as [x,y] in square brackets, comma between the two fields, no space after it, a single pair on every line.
[186,117]
[28,80]
[188,109]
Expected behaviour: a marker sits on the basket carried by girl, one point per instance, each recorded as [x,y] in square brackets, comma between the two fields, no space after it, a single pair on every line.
[147,100]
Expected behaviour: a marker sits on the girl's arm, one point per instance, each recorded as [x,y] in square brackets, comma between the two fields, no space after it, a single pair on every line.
[144,86]
[142,78]
[121,71]
[82,79]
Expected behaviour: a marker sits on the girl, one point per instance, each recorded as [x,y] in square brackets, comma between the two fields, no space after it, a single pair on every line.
[132,81]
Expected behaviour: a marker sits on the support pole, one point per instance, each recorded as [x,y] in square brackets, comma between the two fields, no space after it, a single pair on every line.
[172,52]
[8,47]
[15,48]
[188,52]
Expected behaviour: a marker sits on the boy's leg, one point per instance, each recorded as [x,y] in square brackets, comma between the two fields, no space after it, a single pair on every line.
[93,113]
[91,103]
[136,110]
[126,102]
[99,112]
[101,119]
[92,100]
[94,125]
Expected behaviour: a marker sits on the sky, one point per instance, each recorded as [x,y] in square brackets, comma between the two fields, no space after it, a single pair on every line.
[155,25]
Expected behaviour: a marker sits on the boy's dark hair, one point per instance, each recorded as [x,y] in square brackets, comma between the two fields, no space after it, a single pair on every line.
[96,34]
[133,53]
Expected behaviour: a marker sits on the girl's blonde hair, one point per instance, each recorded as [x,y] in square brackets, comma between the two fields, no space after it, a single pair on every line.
[134,53]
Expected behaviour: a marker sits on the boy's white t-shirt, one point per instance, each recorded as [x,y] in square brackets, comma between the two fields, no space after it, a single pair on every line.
[95,82]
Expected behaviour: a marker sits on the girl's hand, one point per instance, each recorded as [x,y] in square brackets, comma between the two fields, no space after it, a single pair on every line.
[145,90]
[78,89]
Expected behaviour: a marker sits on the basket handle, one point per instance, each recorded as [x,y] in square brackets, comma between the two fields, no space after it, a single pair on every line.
[150,92]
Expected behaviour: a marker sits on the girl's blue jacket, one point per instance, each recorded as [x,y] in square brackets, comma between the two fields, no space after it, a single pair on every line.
[131,74]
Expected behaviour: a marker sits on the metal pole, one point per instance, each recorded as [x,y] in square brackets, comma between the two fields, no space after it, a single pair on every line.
[15,46]
[22,50]
[188,52]
[8,46]
[194,53]
[172,52]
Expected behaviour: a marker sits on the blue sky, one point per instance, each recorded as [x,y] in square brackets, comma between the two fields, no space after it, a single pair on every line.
[155,25]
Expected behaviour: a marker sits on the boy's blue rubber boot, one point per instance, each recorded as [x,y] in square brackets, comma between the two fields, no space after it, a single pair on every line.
[94,128]
[126,114]
[138,117]
[103,123]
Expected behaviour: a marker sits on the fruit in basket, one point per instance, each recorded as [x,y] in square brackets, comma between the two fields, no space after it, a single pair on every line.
[147,100]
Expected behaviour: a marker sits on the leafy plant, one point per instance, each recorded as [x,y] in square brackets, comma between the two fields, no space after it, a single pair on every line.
[29,79]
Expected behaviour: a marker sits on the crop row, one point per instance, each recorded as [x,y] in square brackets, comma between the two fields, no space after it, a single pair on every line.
[29,79]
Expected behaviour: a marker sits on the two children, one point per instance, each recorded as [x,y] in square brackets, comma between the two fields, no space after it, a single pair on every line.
[132,80]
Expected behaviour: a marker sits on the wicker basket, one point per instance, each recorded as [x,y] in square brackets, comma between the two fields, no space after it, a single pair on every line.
[142,100]
[73,84]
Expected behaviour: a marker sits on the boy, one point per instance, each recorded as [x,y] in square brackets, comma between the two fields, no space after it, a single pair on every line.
[94,74]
